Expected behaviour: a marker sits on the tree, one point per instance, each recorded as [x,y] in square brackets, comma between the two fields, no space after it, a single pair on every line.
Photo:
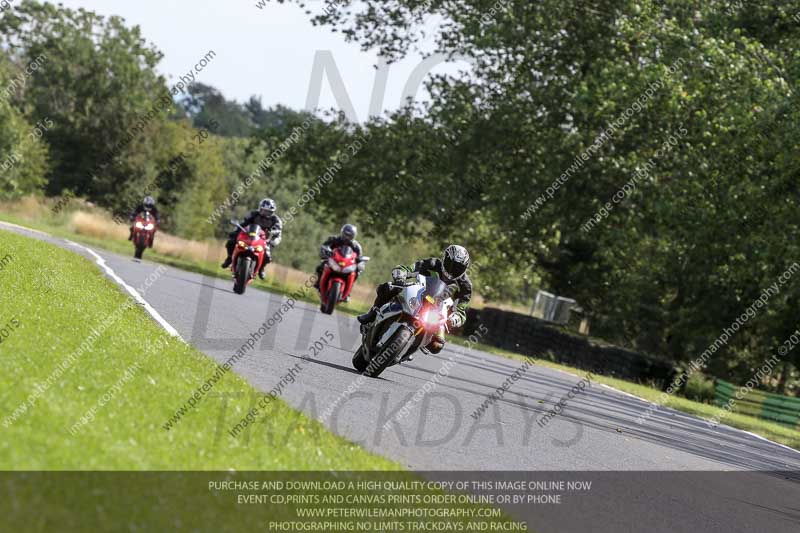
[23,154]
[97,84]
[208,108]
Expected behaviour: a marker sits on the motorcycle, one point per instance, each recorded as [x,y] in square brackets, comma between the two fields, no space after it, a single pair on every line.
[248,255]
[338,276]
[144,229]
[416,319]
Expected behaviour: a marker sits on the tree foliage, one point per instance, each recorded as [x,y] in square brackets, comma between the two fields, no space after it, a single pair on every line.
[23,154]
[96,83]
[712,221]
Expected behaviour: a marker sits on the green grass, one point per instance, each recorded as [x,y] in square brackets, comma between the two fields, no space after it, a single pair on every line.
[770,430]
[53,321]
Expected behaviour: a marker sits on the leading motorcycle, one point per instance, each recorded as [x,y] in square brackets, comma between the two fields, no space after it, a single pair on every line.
[338,276]
[416,319]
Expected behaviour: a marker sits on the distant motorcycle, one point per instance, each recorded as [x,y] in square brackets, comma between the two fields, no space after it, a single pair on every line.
[410,322]
[144,229]
[339,276]
[248,255]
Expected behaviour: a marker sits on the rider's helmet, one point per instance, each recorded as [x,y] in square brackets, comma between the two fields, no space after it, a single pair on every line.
[148,203]
[349,232]
[455,261]
[267,207]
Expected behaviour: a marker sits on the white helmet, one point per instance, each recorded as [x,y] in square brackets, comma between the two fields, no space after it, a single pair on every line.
[267,207]
[455,261]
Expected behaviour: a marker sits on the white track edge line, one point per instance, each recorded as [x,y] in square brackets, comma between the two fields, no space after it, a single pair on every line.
[113,275]
[136,296]
[102,262]
[12,225]
[760,437]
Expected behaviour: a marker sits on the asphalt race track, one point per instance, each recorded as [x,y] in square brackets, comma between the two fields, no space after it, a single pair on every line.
[672,457]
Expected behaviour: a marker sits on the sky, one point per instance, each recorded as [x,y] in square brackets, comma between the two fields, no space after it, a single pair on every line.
[268,52]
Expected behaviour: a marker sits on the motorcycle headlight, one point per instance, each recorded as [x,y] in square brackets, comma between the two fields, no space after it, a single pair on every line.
[149,227]
[334,265]
[242,244]
[349,270]
[432,318]
[139,225]
[413,303]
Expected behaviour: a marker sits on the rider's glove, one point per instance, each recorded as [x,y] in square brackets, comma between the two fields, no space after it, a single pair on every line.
[398,275]
[324,252]
[455,321]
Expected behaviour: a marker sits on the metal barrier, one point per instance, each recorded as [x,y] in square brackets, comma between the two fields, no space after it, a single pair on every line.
[782,409]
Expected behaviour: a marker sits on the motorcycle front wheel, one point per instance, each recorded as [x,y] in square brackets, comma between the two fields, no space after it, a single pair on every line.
[140,245]
[242,276]
[385,358]
[334,292]
[359,363]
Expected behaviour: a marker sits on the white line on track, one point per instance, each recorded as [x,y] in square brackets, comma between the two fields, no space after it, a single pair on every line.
[9,224]
[756,435]
[686,414]
[113,275]
[626,393]
[136,296]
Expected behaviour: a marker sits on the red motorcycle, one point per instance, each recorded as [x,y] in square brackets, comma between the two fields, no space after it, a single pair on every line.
[144,229]
[248,255]
[338,276]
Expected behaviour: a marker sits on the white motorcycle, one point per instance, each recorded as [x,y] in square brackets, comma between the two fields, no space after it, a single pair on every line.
[410,322]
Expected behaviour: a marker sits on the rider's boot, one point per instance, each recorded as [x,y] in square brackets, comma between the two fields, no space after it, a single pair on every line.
[367,319]
[318,276]
[229,246]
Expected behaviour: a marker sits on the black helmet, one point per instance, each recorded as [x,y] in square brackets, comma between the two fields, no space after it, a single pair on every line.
[349,232]
[267,207]
[148,202]
[455,261]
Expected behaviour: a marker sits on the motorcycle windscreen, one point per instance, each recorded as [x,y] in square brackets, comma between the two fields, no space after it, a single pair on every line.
[253,230]
[345,251]
[435,288]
